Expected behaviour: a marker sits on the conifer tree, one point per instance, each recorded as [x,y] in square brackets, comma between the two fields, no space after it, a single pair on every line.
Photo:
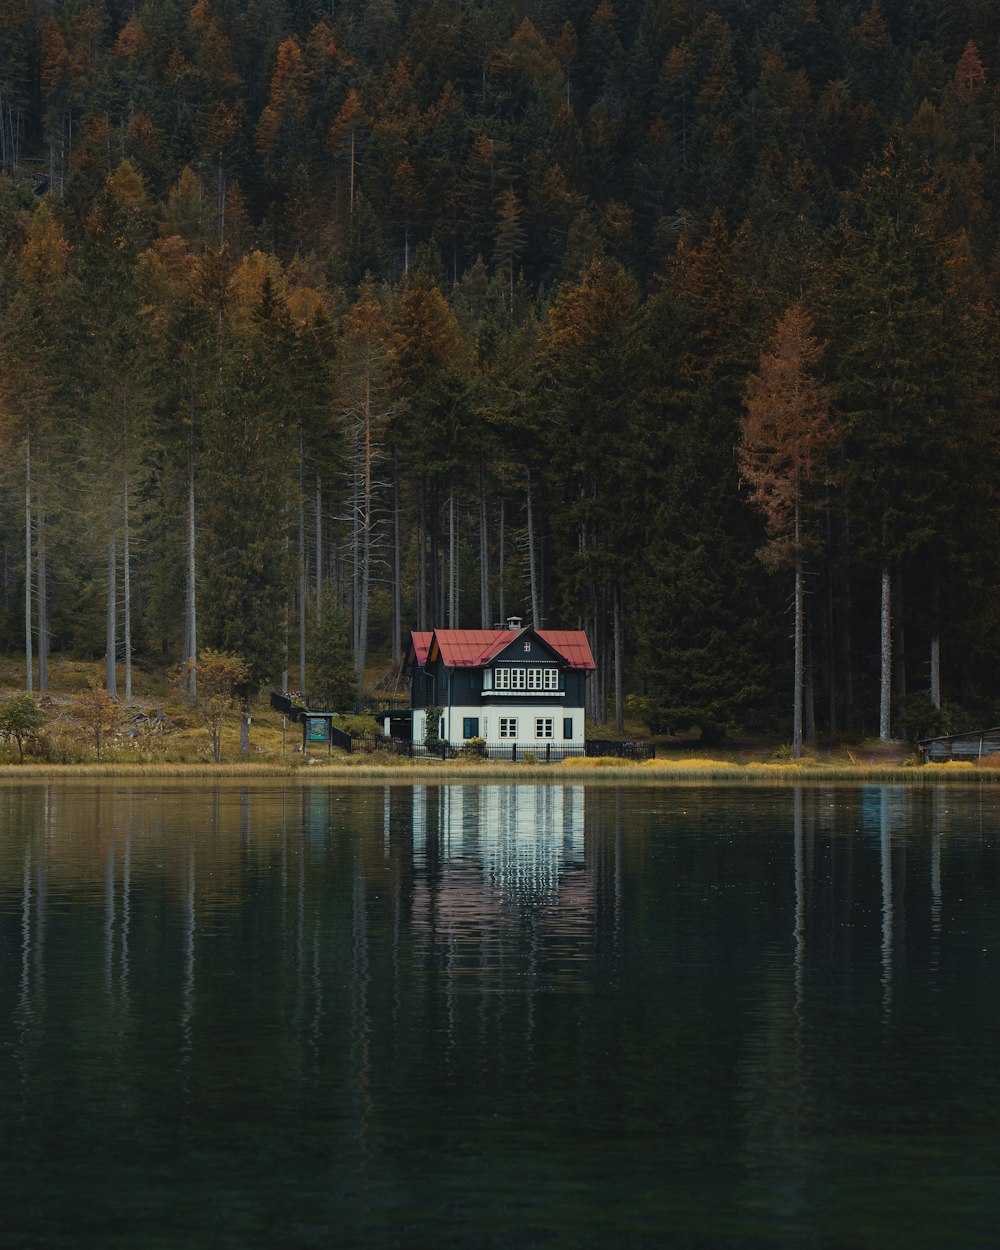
[785,439]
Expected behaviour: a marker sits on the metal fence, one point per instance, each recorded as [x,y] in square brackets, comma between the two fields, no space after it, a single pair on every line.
[509,752]
[377,705]
[622,750]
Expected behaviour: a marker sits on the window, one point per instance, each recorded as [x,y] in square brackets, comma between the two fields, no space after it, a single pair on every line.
[511,678]
[508,726]
[543,727]
[519,678]
[567,727]
[527,646]
[470,726]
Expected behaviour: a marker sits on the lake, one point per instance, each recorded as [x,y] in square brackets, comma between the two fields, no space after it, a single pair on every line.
[299,1015]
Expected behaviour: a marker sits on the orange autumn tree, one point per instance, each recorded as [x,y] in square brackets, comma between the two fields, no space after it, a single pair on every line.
[786,437]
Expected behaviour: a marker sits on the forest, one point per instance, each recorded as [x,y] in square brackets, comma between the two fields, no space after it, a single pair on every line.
[673,320]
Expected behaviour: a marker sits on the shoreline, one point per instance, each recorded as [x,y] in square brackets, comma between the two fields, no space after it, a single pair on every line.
[657,772]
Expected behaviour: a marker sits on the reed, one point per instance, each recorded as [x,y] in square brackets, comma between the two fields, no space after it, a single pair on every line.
[655,772]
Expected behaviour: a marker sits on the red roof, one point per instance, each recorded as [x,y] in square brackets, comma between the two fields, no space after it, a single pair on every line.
[421,645]
[571,644]
[473,648]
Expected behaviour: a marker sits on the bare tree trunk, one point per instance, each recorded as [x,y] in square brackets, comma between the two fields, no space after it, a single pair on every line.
[422,556]
[397,572]
[284,666]
[831,632]
[302,568]
[797,660]
[28,659]
[111,625]
[319,550]
[352,173]
[452,561]
[846,633]
[127,592]
[366,535]
[899,657]
[356,505]
[190,615]
[485,607]
[434,611]
[502,609]
[619,660]
[885,654]
[43,603]
[936,646]
[936,672]
[607,658]
[532,571]
[809,687]
[442,601]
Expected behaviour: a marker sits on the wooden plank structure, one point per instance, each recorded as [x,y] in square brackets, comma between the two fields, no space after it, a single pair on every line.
[965,746]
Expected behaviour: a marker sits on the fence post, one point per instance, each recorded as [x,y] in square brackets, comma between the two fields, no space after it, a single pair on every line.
[548,752]
[513,753]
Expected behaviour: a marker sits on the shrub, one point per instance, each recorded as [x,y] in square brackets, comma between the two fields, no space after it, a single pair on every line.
[98,713]
[21,720]
[432,731]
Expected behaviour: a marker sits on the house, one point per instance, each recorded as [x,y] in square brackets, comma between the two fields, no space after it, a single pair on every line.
[517,688]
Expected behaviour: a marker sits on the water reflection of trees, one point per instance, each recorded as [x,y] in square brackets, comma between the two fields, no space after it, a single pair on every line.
[408,964]
[871,881]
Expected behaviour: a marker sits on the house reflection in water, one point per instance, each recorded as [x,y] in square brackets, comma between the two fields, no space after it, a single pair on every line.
[499,873]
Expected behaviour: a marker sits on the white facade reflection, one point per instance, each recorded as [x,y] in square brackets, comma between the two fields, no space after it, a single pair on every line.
[499,878]
[523,840]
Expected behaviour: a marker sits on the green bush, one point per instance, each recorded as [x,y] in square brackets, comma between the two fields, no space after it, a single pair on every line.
[432,732]
[20,721]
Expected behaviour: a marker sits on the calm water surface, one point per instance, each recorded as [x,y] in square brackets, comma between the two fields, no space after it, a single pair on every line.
[464,1016]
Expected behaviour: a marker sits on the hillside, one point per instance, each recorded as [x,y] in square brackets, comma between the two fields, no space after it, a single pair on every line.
[321,324]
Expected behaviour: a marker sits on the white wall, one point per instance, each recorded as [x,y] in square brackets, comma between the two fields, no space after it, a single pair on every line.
[489,723]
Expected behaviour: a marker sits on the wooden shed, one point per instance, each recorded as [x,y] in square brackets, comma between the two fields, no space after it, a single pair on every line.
[967,746]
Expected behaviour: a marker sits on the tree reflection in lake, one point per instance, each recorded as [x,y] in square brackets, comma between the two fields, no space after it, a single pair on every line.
[383,1015]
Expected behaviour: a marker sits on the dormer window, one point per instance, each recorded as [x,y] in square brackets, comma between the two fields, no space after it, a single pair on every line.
[518,678]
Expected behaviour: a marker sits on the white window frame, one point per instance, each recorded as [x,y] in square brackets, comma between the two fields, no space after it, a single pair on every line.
[543,727]
[508,727]
[520,677]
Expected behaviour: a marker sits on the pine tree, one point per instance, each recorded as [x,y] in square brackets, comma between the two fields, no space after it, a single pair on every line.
[785,439]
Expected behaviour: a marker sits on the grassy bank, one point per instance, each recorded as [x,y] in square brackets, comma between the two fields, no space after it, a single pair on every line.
[392,769]
[160,734]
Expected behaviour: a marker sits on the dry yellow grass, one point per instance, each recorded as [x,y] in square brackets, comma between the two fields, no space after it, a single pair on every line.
[361,769]
[181,749]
